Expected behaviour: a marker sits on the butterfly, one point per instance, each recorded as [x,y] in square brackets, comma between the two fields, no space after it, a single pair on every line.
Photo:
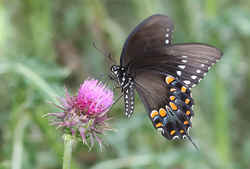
[163,74]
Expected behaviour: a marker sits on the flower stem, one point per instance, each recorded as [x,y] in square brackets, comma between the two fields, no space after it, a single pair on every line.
[68,144]
[18,143]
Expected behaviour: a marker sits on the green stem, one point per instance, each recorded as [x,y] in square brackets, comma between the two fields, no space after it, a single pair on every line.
[18,143]
[222,121]
[68,144]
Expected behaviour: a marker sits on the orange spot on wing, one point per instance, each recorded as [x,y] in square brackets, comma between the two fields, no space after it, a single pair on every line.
[173,106]
[183,89]
[158,125]
[169,79]
[172,132]
[187,101]
[163,112]
[188,112]
[181,131]
[186,122]
[154,113]
[172,98]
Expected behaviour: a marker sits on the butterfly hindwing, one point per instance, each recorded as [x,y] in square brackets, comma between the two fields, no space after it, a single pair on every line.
[189,62]
[192,61]
[168,102]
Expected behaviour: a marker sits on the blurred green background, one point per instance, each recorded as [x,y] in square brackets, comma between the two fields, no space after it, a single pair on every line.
[47,44]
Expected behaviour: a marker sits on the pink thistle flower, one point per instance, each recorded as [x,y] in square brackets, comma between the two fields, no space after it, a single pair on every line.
[85,114]
[93,97]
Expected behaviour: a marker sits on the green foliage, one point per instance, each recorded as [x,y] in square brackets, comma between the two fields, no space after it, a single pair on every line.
[47,44]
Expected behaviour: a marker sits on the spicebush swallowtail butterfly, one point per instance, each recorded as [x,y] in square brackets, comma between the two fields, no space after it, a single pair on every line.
[163,74]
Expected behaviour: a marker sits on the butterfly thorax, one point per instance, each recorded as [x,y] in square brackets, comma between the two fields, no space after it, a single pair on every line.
[121,77]
[126,83]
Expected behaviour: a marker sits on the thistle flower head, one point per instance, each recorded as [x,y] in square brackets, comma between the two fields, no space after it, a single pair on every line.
[93,97]
[85,114]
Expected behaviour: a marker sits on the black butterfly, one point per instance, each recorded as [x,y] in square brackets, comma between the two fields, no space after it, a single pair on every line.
[163,74]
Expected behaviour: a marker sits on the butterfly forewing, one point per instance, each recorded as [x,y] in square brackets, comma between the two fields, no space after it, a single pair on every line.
[153,32]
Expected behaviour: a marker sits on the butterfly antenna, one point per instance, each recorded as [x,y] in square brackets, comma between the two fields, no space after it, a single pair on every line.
[108,55]
[101,51]
[111,59]
[191,140]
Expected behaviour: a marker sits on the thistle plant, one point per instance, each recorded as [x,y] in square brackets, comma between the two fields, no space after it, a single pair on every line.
[83,115]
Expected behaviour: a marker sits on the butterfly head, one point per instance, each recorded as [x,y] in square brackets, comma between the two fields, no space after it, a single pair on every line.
[115,72]
[120,74]
[115,69]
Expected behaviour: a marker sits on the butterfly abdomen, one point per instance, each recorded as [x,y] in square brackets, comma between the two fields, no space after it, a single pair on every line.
[126,84]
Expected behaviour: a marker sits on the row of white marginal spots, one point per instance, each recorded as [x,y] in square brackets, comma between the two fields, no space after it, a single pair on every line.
[192,76]
[167,41]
